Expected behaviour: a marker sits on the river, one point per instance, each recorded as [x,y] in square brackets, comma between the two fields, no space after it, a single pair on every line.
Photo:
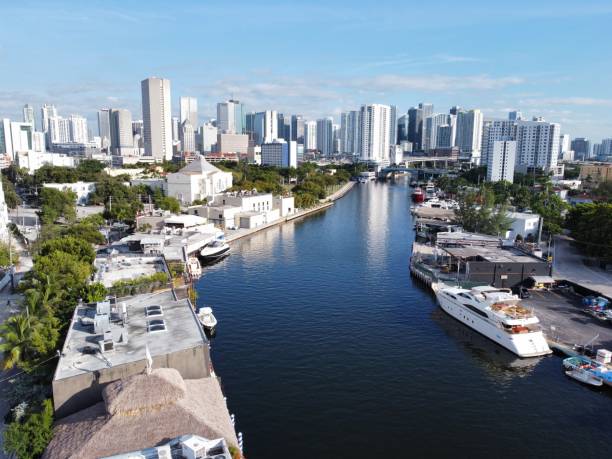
[327,348]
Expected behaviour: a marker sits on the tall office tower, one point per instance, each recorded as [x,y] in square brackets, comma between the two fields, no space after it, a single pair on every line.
[349,132]
[189,110]
[6,146]
[564,145]
[494,130]
[515,115]
[430,130]
[284,127]
[104,127]
[416,116]
[78,129]
[393,123]
[176,123]
[28,115]
[138,133]
[187,137]
[402,128]
[500,163]
[207,138]
[537,144]
[310,135]
[297,128]
[582,148]
[231,117]
[47,111]
[279,153]
[444,137]
[325,136]
[157,118]
[265,126]
[469,134]
[455,110]
[605,148]
[374,134]
[121,132]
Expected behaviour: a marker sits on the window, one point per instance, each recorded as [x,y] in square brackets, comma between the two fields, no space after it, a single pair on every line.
[153,310]
[157,325]
[476,310]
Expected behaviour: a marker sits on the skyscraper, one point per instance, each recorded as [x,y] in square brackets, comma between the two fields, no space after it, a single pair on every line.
[430,130]
[325,136]
[500,163]
[157,118]
[297,128]
[469,134]
[393,125]
[537,144]
[515,115]
[187,137]
[416,117]
[402,128]
[104,130]
[121,132]
[231,117]
[375,133]
[349,132]
[28,115]
[47,111]
[582,148]
[310,135]
[265,126]
[495,130]
[189,110]
[78,129]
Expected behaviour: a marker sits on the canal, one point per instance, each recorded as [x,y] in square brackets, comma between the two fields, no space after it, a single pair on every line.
[327,348]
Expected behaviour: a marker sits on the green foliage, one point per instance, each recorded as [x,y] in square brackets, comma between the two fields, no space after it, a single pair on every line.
[10,195]
[94,220]
[27,339]
[27,439]
[69,245]
[199,202]
[603,192]
[5,255]
[143,284]
[88,170]
[571,173]
[121,202]
[56,204]
[86,232]
[93,293]
[591,226]
[478,213]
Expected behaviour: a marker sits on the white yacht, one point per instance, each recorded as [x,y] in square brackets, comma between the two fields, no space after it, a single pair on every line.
[437,203]
[214,250]
[207,318]
[497,314]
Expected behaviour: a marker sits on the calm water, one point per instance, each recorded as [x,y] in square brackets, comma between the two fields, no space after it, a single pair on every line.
[327,348]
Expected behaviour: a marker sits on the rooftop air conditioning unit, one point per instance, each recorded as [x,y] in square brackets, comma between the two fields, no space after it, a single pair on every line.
[106,345]
[103,307]
[163,452]
[101,323]
[193,448]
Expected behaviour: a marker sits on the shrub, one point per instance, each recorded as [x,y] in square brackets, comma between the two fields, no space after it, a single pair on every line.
[28,438]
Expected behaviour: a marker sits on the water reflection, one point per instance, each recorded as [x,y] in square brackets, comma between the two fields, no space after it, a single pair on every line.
[497,361]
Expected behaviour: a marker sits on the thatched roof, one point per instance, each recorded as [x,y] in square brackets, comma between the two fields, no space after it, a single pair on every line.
[143,411]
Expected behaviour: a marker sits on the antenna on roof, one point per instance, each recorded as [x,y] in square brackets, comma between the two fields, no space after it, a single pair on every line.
[149,360]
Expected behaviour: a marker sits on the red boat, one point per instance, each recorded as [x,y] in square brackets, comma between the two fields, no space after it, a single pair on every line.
[418,195]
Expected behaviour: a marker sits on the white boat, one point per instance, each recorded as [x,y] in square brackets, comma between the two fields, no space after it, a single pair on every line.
[207,318]
[584,377]
[436,203]
[214,250]
[497,314]
[430,190]
[193,267]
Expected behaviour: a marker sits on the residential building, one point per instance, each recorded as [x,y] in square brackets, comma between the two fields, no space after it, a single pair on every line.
[430,130]
[515,115]
[279,153]
[198,180]
[6,144]
[595,173]
[17,137]
[375,133]
[325,136]
[47,111]
[537,145]
[78,129]
[104,130]
[349,132]
[157,118]
[231,117]
[34,160]
[265,126]
[232,143]
[469,134]
[187,137]
[207,138]
[582,148]
[58,130]
[500,163]
[82,190]
[416,117]
[523,224]
[189,110]
[494,130]
[403,123]
[605,148]
[393,125]
[121,134]
[310,135]
[28,115]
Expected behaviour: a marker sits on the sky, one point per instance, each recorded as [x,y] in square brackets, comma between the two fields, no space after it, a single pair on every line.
[315,58]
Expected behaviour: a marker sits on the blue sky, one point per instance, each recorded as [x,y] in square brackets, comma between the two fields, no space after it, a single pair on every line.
[317,58]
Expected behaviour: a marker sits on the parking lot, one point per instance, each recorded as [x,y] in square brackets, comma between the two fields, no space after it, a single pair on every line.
[563,310]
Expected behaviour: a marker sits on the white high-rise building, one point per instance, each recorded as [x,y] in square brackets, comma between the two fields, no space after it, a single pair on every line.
[266,126]
[104,127]
[20,138]
[47,111]
[537,144]
[28,115]
[207,138]
[78,129]
[349,132]
[325,136]
[189,110]
[469,134]
[495,130]
[121,132]
[430,130]
[500,165]
[187,137]
[375,133]
[310,135]
[58,130]
[157,118]
[231,117]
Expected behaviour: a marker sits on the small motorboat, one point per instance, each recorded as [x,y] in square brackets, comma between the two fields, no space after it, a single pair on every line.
[584,377]
[587,371]
[207,319]
[418,195]
[193,267]
[214,250]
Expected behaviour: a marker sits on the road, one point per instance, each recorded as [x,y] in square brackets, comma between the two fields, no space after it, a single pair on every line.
[568,264]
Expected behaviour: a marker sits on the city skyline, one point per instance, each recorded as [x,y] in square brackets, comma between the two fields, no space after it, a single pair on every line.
[455,54]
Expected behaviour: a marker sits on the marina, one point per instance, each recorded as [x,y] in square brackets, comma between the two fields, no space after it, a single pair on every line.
[390,341]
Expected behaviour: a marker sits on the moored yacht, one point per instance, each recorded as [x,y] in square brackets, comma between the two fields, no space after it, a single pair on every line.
[418,195]
[207,319]
[214,250]
[497,314]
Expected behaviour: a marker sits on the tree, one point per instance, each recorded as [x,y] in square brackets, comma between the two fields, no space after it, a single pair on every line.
[70,245]
[16,345]
[169,203]
[11,197]
[56,204]
[551,208]
[7,256]
[590,225]
[93,293]
[27,439]
[477,213]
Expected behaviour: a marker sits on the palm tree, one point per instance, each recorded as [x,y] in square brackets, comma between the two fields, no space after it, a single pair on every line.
[16,340]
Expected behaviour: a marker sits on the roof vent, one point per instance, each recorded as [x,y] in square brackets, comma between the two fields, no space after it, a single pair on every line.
[101,323]
[153,310]
[156,325]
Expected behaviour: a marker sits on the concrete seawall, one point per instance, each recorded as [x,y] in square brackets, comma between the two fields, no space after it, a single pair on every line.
[326,203]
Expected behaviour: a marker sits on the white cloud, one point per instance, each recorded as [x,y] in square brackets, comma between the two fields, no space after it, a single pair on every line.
[436,83]
[567,101]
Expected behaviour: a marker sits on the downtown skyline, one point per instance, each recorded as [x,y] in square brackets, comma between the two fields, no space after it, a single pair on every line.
[296,61]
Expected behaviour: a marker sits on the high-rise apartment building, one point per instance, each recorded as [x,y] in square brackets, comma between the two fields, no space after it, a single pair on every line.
[47,111]
[537,144]
[500,164]
[494,130]
[393,125]
[310,135]
[157,118]
[582,148]
[325,136]
[297,128]
[375,133]
[121,132]
[430,130]
[416,117]
[469,134]
[189,110]
[231,117]
[78,129]
[402,128]
[28,115]
[104,130]
[515,115]
[349,132]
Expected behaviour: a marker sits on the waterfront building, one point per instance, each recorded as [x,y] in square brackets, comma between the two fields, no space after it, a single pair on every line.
[198,180]
[582,148]
[121,132]
[188,107]
[349,132]
[28,115]
[500,163]
[104,130]
[325,136]
[310,135]
[469,134]
[375,133]
[157,118]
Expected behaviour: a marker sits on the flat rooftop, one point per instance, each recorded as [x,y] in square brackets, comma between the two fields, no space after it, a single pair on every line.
[183,331]
[492,254]
[125,266]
